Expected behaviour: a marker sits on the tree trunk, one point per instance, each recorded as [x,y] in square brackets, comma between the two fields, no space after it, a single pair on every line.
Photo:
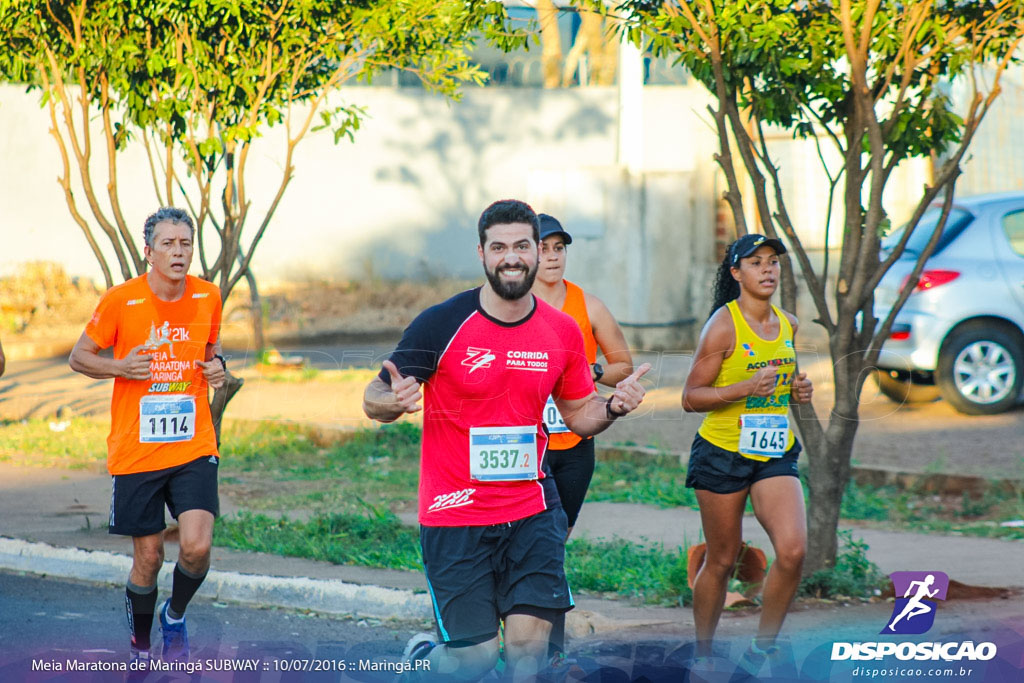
[221,397]
[256,314]
[829,470]
[551,43]
[828,476]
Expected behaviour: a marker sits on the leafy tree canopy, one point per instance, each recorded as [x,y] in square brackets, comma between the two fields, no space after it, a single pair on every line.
[789,62]
[197,80]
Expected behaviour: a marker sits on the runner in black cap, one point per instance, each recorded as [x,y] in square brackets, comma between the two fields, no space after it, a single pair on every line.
[571,457]
[744,377]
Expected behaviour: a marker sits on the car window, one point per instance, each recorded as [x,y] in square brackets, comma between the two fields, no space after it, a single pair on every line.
[955,224]
[1013,226]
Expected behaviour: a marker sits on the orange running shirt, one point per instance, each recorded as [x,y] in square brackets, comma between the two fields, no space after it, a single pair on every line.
[163,421]
[576,306]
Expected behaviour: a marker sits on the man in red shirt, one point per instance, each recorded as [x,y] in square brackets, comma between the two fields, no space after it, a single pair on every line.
[492,530]
[162,449]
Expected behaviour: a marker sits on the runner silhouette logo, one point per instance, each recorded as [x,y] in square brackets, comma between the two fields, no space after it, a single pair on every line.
[916,593]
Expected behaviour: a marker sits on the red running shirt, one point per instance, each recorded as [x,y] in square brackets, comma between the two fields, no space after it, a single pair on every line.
[480,372]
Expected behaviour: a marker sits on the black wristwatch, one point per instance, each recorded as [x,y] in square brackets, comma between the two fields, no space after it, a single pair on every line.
[223,363]
[611,414]
[598,371]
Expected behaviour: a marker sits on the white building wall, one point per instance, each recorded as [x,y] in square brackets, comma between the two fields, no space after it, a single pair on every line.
[403,199]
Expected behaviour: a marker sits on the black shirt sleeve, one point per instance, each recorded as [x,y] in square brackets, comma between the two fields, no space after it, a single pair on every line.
[427,337]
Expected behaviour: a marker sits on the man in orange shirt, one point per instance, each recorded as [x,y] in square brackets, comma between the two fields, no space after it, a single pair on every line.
[162,448]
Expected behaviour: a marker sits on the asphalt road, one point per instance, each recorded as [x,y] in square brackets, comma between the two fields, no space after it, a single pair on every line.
[46,621]
[73,625]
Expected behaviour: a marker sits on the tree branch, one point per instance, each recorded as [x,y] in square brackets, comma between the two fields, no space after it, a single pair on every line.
[781,215]
[115,203]
[65,179]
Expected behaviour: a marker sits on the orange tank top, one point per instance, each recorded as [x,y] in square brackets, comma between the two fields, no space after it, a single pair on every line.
[576,306]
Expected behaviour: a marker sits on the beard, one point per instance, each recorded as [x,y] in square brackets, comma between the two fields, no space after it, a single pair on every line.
[511,291]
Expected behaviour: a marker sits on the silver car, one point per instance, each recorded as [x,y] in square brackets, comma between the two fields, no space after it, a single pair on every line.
[962,330]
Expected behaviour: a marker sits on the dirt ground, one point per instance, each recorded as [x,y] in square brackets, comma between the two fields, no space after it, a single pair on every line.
[41,304]
[930,437]
[334,325]
[926,438]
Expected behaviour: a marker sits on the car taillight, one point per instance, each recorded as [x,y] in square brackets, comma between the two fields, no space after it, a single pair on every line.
[900,332]
[930,279]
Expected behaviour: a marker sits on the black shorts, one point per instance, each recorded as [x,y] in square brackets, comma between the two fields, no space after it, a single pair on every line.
[477,575]
[572,468]
[137,500]
[720,471]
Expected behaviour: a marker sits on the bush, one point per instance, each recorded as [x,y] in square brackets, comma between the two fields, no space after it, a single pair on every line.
[853,575]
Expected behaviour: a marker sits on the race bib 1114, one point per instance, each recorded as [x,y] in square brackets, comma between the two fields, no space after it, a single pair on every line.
[167,418]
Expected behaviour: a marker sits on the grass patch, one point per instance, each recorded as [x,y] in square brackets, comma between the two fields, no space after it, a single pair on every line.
[914,508]
[301,451]
[375,540]
[646,572]
[636,478]
[660,480]
[285,466]
[280,466]
[78,443]
[853,575]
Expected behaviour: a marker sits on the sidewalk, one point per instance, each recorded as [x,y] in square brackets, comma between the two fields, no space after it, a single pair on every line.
[49,517]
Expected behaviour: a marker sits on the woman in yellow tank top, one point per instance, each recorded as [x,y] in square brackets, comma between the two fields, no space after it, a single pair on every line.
[744,378]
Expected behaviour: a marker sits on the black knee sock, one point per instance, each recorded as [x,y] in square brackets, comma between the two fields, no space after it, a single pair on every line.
[184,587]
[139,605]
[556,641]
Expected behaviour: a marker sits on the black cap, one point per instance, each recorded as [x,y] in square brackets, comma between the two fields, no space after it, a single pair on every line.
[549,226]
[748,244]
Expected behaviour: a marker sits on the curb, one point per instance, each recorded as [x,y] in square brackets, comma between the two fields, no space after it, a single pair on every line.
[317,595]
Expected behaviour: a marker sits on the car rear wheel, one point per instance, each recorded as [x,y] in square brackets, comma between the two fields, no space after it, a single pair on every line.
[981,368]
[904,388]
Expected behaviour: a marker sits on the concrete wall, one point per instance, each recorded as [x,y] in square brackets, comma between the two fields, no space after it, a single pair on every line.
[403,200]
[994,162]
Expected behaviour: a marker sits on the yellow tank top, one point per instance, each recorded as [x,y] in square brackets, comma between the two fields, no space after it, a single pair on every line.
[751,353]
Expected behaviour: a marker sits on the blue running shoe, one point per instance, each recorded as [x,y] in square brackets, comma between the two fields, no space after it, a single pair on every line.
[175,637]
